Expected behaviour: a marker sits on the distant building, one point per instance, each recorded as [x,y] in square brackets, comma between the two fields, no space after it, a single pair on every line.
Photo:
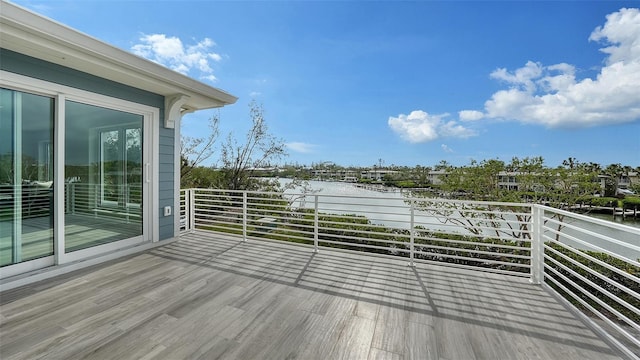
[624,181]
[435,177]
[377,174]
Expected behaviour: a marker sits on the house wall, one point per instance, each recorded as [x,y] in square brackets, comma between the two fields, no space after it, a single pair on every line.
[42,70]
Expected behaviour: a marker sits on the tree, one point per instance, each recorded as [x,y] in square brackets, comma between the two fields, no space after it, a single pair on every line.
[195,150]
[260,148]
[203,177]
[570,162]
[572,182]
[533,179]
[477,181]
[443,165]
[420,175]
[613,172]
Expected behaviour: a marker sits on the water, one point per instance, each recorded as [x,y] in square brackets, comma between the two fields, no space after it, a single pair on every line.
[629,221]
[389,209]
[396,214]
[386,208]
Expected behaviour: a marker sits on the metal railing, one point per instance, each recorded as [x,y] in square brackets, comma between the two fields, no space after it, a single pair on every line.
[591,263]
[594,264]
[112,201]
[33,200]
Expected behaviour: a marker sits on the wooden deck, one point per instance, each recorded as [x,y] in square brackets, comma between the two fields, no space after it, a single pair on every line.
[208,296]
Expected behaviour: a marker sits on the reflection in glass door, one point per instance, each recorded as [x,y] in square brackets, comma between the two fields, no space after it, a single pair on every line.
[26,176]
[103,176]
[121,166]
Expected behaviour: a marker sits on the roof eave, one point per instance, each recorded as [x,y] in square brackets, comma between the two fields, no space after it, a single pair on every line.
[31,34]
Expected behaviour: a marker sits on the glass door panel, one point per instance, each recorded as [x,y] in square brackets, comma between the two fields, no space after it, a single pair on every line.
[134,168]
[104,185]
[110,167]
[26,176]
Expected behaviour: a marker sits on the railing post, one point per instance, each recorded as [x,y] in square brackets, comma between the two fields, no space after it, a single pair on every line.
[537,245]
[186,210]
[244,216]
[191,214]
[315,223]
[126,190]
[68,197]
[411,236]
[96,197]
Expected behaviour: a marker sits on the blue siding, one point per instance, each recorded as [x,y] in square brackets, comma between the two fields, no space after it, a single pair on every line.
[165,182]
[39,69]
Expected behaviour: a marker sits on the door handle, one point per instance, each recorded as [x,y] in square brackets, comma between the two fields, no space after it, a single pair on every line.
[147,178]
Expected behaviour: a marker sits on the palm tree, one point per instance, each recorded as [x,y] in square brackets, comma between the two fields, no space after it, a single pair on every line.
[570,162]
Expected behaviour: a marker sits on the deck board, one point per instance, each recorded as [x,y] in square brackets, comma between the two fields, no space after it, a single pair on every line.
[213,296]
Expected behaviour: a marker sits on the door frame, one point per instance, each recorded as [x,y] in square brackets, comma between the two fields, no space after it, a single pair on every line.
[151,135]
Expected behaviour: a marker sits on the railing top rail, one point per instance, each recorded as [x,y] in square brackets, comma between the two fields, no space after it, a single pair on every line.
[590,219]
[593,247]
[435,200]
[594,234]
[480,202]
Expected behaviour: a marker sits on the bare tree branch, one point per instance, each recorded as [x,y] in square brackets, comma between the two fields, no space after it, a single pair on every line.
[195,150]
[259,150]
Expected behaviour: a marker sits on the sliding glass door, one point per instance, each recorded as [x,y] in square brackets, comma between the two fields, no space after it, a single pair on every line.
[26,176]
[104,175]
[75,174]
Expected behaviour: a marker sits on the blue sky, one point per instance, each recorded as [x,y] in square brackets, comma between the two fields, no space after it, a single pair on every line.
[406,82]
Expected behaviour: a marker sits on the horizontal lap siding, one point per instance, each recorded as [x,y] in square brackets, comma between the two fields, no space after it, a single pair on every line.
[165,182]
[43,70]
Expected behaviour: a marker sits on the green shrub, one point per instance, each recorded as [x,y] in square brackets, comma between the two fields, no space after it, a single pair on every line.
[405,184]
[631,202]
[604,201]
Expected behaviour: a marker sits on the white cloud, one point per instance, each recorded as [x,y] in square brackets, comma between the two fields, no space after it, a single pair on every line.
[172,53]
[621,31]
[419,126]
[446,149]
[453,129]
[521,77]
[470,115]
[301,147]
[552,96]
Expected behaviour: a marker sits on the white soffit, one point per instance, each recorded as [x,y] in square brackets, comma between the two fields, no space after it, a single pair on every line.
[31,34]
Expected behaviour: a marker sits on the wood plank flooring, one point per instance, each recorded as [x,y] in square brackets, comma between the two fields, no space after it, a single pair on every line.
[209,296]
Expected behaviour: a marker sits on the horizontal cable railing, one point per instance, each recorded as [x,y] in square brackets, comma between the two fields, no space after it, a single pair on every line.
[594,264]
[495,236]
[35,199]
[122,202]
